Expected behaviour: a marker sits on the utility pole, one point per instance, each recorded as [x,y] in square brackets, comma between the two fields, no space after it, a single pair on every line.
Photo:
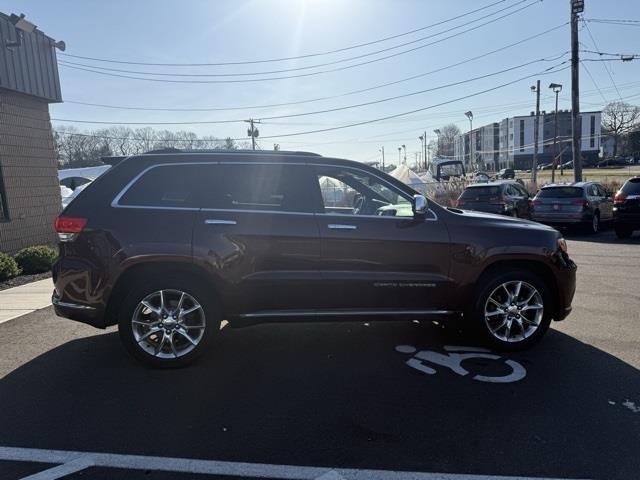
[382,150]
[577,6]
[252,132]
[536,133]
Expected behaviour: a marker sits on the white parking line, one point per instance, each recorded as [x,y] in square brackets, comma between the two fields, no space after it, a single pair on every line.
[73,459]
[61,470]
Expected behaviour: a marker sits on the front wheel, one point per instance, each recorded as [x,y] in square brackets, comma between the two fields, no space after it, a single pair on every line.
[512,310]
[168,323]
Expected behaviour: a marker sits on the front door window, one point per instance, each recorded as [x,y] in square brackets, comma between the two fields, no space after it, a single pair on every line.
[353,192]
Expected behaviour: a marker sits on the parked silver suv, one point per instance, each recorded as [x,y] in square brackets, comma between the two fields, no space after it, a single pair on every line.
[584,204]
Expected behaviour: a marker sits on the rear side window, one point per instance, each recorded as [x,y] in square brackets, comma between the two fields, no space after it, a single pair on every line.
[175,186]
[632,187]
[560,192]
[270,187]
[481,192]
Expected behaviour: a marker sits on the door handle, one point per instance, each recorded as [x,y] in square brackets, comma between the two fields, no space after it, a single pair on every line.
[213,221]
[340,226]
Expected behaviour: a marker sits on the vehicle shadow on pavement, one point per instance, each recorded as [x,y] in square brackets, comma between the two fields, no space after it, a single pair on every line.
[335,395]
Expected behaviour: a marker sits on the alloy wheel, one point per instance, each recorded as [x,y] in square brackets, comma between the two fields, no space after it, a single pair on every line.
[513,311]
[168,323]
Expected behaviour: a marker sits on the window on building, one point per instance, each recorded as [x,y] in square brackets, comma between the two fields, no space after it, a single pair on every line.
[522,135]
[4,211]
[592,132]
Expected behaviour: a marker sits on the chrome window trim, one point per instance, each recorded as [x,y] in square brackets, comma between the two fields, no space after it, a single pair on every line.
[115,203]
[389,217]
[237,210]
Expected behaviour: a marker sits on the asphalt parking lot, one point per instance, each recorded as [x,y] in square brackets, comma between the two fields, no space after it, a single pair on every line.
[401,397]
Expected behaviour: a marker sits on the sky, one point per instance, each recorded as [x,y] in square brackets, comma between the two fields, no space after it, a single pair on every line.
[226,31]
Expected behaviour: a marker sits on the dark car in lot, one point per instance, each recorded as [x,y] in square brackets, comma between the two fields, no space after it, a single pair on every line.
[502,197]
[582,204]
[167,245]
[506,173]
[626,208]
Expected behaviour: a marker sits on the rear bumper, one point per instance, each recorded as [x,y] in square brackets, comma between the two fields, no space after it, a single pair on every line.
[626,219]
[78,312]
[561,219]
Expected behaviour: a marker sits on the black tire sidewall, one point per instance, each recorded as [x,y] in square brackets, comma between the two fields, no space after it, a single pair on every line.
[149,285]
[487,285]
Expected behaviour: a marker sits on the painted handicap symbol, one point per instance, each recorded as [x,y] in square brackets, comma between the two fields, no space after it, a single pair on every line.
[425,361]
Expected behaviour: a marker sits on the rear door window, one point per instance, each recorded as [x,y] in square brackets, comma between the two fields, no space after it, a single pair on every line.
[560,192]
[263,187]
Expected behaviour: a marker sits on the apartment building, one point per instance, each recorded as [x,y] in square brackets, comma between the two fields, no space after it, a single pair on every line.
[510,143]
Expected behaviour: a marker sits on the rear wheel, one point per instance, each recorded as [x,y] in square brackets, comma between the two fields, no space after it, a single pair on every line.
[623,232]
[168,323]
[512,310]
[594,224]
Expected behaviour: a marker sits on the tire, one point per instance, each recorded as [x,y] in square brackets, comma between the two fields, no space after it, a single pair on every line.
[623,232]
[593,226]
[181,338]
[514,213]
[534,321]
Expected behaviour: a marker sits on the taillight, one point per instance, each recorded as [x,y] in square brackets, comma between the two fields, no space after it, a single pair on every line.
[68,227]
[583,202]
[459,202]
[534,202]
[498,200]
[619,198]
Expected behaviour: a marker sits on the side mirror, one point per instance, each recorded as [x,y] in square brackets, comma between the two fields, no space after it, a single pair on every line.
[420,205]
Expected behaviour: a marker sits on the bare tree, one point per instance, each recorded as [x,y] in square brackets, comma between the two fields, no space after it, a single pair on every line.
[446,139]
[619,118]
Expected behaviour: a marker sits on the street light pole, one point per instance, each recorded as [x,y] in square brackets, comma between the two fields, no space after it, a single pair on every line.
[399,156]
[405,153]
[382,150]
[469,115]
[557,88]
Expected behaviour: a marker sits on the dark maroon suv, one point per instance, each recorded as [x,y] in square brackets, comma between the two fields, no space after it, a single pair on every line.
[167,245]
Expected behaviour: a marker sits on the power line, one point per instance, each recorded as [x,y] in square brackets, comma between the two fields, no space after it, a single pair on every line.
[353,92]
[604,64]
[593,80]
[628,23]
[103,70]
[307,67]
[282,59]
[317,112]
[549,70]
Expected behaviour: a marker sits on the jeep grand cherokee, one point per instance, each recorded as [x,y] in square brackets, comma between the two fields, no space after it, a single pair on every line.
[167,245]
